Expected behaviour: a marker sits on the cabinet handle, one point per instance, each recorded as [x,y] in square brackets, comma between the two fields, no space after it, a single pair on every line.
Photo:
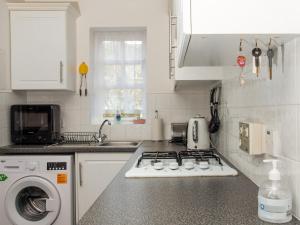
[80,174]
[61,66]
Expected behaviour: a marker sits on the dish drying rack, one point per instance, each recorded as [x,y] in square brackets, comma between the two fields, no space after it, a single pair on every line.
[79,137]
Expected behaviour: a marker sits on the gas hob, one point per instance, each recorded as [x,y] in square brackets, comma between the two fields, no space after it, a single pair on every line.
[182,164]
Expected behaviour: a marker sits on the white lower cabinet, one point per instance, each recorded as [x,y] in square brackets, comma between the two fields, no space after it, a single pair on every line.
[94,171]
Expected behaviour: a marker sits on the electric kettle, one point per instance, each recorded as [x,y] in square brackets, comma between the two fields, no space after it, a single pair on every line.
[198,135]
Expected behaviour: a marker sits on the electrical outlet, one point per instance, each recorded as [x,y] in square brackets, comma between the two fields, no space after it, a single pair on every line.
[252,138]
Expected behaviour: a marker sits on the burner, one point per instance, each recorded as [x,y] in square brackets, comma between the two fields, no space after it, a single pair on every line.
[189,165]
[173,165]
[157,156]
[199,156]
[182,164]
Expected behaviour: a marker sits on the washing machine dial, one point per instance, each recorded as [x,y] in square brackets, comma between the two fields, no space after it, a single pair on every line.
[32,166]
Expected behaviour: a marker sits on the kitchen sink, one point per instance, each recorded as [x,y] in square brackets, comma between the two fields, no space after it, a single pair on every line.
[108,144]
[121,143]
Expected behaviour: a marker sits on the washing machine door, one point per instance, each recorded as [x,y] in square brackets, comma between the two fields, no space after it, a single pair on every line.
[32,200]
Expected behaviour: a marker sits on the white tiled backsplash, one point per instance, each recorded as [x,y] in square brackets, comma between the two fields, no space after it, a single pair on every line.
[6,100]
[172,107]
[275,103]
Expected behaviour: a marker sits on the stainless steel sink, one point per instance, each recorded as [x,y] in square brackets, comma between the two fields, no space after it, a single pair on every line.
[108,144]
[120,144]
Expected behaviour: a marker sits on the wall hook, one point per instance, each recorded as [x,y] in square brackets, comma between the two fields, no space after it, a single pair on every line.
[241,49]
[270,42]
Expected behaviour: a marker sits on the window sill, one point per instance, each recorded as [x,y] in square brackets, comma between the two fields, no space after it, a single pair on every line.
[128,122]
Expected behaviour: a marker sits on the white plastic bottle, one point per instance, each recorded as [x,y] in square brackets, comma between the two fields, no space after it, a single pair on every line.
[274,198]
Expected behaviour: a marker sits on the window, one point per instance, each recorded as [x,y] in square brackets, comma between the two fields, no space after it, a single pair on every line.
[119,75]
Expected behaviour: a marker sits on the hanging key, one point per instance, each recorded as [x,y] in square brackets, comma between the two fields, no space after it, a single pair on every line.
[256,52]
[270,54]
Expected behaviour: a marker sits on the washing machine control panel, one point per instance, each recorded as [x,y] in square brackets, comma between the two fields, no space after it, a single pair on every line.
[56,166]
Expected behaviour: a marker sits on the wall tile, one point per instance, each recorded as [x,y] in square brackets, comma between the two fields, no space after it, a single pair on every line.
[274,103]
[133,132]
[162,101]
[298,133]
[287,130]
[172,107]
[179,101]
[118,132]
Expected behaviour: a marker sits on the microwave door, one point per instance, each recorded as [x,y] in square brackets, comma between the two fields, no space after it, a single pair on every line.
[31,122]
[35,122]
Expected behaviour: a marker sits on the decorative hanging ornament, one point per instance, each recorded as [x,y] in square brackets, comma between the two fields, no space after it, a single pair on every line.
[241,61]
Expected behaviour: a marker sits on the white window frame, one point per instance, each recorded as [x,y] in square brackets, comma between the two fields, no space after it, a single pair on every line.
[97,104]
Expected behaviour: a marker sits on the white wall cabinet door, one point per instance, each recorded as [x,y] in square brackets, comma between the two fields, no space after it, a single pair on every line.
[94,172]
[38,49]
[43,42]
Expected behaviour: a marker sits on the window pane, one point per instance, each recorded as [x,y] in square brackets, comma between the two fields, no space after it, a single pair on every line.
[134,73]
[112,73]
[112,50]
[133,50]
[124,100]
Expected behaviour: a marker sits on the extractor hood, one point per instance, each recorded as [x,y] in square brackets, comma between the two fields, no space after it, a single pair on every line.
[209,32]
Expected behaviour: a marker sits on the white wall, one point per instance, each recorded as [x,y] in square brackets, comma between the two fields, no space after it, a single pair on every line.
[4,46]
[275,103]
[6,98]
[129,13]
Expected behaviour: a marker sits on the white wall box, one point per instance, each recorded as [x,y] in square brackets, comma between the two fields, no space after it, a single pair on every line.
[94,172]
[209,31]
[43,46]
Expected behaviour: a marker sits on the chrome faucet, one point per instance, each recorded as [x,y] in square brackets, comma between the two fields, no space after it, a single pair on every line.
[101,138]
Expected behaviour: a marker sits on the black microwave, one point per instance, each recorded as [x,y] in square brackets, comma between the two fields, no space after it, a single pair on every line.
[35,124]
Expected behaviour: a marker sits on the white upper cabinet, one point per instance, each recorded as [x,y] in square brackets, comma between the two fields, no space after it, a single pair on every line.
[209,31]
[191,76]
[43,42]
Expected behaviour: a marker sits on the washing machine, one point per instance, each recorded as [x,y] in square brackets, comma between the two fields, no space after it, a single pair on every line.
[36,190]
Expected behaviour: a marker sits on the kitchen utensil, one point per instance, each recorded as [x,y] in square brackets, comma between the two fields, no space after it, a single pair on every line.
[214,123]
[79,137]
[256,52]
[178,132]
[270,54]
[198,135]
[83,70]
